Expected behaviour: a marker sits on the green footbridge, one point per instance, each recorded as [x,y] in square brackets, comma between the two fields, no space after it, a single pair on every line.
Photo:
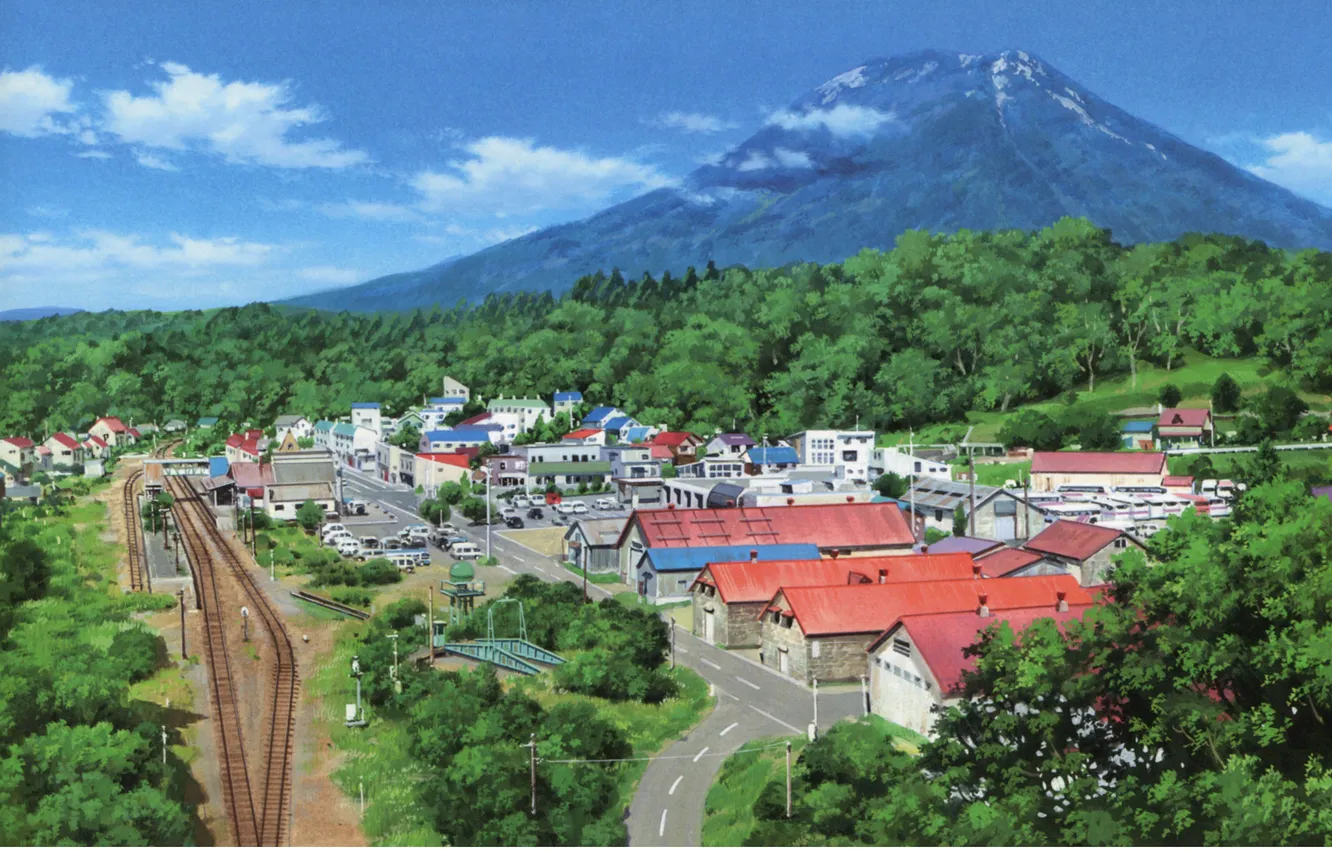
[517,654]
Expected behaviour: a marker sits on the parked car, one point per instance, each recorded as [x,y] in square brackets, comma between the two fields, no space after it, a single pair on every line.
[465,551]
[403,561]
[330,514]
[357,506]
[349,547]
[332,527]
[392,544]
[334,538]
[449,528]
[522,502]
[414,528]
[536,513]
[579,507]
[514,521]
[369,554]
[566,508]
[605,504]
[369,542]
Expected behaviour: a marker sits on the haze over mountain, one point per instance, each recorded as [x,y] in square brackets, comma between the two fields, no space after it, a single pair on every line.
[23,314]
[933,140]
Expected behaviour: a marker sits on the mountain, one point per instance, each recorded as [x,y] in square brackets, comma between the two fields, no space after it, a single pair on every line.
[941,141]
[23,314]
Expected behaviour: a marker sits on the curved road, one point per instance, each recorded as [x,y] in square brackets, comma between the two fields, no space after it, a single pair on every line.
[753,701]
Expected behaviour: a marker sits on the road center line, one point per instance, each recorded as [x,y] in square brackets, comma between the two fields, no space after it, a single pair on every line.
[776,719]
[675,784]
[661,830]
[729,728]
[713,664]
[700,754]
[747,682]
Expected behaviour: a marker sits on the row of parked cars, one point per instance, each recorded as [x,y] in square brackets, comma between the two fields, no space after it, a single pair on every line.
[407,549]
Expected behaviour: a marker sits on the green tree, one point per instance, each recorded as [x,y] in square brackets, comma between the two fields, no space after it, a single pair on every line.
[960,521]
[435,511]
[310,515]
[1226,394]
[1264,466]
[1032,429]
[1096,430]
[475,509]
[890,485]
[1169,395]
[408,437]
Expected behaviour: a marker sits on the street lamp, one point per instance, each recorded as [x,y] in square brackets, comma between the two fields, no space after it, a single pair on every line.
[245,624]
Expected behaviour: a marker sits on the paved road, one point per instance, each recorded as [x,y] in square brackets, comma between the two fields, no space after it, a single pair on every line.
[753,701]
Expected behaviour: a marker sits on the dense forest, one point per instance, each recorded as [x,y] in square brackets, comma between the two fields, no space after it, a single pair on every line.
[937,326]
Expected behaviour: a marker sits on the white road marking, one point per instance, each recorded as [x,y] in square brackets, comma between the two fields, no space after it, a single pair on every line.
[729,728]
[700,754]
[682,650]
[506,569]
[747,682]
[675,784]
[714,665]
[776,719]
[661,830]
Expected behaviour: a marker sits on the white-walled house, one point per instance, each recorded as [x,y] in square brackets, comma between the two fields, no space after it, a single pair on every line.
[365,414]
[566,401]
[529,411]
[848,452]
[292,423]
[66,450]
[895,459]
[456,389]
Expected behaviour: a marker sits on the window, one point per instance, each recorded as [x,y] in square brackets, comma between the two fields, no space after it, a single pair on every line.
[897,671]
[277,507]
[850,456]
[938,515]
[916,680]
[901,647]
[1121,543]
[814,648]
[1005,507]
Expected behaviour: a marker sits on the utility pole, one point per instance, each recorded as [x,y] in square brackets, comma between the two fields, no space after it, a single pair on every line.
[788,778]
[164,746]
[971,464]
[816,706]
[245,621]
[1026,510]
[532,746]
[272,565]
[911,473]
[177,550]
[864,697]
[430,623]
[487,468]
[672,641]
[181,594]
[585,599]
[394,637]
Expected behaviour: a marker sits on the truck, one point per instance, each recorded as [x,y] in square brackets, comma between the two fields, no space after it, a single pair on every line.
[554,498]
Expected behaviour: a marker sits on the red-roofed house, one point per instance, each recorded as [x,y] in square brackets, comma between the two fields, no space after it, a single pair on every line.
[19,453]
[1180,485]
[66,450]
[917,664]
[682,445]
[134,435]
[1183,428]
[242,448]
[111,430]
[585,437]
[859,529]
[1005,562]
[1087,551]
[95,447]
[432,470]
[1051,470]
[822,632]
[728,597]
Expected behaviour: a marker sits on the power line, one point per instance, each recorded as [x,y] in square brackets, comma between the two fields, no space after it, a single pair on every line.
[660,758]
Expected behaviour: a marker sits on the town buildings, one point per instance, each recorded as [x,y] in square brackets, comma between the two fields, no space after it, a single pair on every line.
[566,401]
[1052,470]
[589,544]
[292,423]
[365,414]
[66,450]
[1184,428]
[111,430]
[849,452]
[1085,550]
[999,514]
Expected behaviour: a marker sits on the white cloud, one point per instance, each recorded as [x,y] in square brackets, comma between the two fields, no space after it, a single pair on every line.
[1300,161]
[368,210]
[93,155]
[243,122]
[756,161]
[792,159]
[92,255]
[45,211]
[31,103]
[693,122]
[513,176]
[330,275]
[841,120]
[147,160]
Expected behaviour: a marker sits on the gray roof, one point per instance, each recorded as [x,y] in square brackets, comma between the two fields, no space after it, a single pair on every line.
[945,495]
[599,532]
[300,492]
[303,471]
[288,419]
[969,545]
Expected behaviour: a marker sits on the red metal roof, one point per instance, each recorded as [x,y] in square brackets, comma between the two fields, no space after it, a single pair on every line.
[112,422]
[673,438]
[941,639]
[872,608]
[1177,481]
[254,434]
[1138,463]
[582,434]
[841,526]
[1183,417]
[457,459]
[21,442]
[43,450]
[660,452]
[1070,539]
[747,581]
[134,432]
[234,441]
[248,475]
[97,441]
[65,440]
[473,420]
[250,447]
[1006,561]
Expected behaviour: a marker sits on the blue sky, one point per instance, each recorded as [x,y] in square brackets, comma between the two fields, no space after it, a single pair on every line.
[191,155]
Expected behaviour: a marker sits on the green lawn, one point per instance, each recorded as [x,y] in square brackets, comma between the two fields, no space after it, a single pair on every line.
[1231,465]
[594,578]
[630,599]
[728,815]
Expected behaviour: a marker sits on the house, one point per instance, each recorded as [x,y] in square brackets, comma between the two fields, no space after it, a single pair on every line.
[566,401]
[1000,514]
[431,470]
[1006,562]
[619,428]
[95,447]
[323,435]
[847,452]
[507,470]
[206,422]
[388,460]
[916,666]
[456,389]
[365,414]
[589,544]
[976,547]
[680,446]
[1181,485]
[289,443]
[291,423]
[297,477]
[94,468]
[1184,428]
[66,450]
[504,427]
[857,530]
[759,460]
[822,632]
[112,431]
[1086,551]
[727,466]
[148,428]
[729,597]
[665,574]
[19,455]
[886,459]
[133,436]
[174,426]
[241,447]
[565,465]
[599,416]
[1136,435]
[451,440]
[585,437]
[635,475]
[410,419]
[732,445]
[1052,470]
[639,434]
[354,445]
[527,411]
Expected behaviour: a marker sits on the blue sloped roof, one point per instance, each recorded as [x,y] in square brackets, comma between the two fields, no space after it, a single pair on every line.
[1141,427]
[684,559]
[365,405]
[323,425]
[345,428]
[218,466]
[773,454]
[206,421]
[569,395]
[598,414]
[617,423]
[449,400]
[637,434]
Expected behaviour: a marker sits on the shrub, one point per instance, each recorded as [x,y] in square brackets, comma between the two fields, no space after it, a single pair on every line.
[1033,429]
[1226,394]
[1169,395]
[1096,430]
[309,515]
[378,571]
[890,485]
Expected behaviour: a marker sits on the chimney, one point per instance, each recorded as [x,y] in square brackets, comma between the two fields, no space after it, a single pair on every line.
[925,550]
[975,570]
[850,499]
[984,609]
[790,501]
[883,575]
[753,558]
[1062,606]
[671,506]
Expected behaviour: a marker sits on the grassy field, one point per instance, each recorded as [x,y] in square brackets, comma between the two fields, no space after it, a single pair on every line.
[1194,374]
[594,578]
[1230,465]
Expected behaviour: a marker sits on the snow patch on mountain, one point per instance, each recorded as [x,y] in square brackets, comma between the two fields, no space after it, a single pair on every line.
[967,58]
[853,79]
[1068,103]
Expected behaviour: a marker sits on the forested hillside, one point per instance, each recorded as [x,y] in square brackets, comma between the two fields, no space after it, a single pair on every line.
[935,327]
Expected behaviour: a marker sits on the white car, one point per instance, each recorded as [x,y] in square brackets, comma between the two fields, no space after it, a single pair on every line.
[414,529]
[580,507]
[349,548]
[465,551]
[332,527]
[330,536]
[606,505]
[522,502]
[567,508]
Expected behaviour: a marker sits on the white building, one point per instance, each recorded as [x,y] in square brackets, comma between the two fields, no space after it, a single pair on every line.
[365,414]
[848,453]
[528,410]
[456,389]
[894,459]
[293,423]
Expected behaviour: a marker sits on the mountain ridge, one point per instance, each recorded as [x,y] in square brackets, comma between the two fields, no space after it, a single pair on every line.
[929,140]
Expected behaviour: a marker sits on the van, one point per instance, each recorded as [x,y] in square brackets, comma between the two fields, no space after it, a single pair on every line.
[465,551]
[369,542]
[522,502]
[403,561]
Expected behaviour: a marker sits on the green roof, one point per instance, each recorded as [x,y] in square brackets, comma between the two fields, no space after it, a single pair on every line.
[516,402]
[346,429]
[323,425]
[595,467]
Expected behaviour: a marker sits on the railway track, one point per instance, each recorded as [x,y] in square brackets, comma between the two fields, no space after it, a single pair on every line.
[138,562]
[259,810]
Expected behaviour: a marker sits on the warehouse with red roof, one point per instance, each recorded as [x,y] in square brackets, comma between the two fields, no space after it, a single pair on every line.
[1052,470]
[1086,551]
[822,632]
[729,597]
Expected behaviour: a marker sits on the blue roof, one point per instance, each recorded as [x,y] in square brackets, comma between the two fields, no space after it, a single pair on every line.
[323,425]
[598,414]
[1137,427]
[617,423]
[773,454]
[365,405]
[569,395]
[686,558]
[449,400]
[637,434]
[218,466]
[469,435]
[207,420]
[346,429]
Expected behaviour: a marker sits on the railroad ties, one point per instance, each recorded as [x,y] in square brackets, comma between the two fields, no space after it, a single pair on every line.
[138,563]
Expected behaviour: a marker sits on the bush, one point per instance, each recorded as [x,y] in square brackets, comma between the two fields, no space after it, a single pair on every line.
[435,511]
[378,571]
[890,485]
[1096,430]
[1278,410]
[1226,394]
[1169,395]
[1032,429]
[1310,428]
[309,515]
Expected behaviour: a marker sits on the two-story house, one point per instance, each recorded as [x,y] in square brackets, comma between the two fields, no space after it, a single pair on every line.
[66,450]
[564,465]
[847,452]
[637,477]
[732,445]
[19,455]
[293,423]
[365,414]
[529,411]
[566,401]
[112,430]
